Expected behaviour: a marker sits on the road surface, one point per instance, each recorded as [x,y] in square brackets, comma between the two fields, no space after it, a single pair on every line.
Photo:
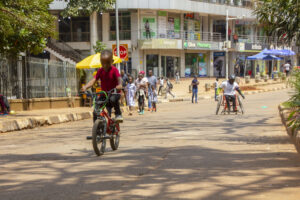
[184,151]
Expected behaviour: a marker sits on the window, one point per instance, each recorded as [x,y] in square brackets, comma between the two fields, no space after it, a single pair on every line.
[75,29]
[124,26]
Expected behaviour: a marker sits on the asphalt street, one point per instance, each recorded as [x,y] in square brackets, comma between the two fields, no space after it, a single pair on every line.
[184,151]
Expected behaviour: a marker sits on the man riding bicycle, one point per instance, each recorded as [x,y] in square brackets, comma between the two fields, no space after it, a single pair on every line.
[110,79]
[230,87]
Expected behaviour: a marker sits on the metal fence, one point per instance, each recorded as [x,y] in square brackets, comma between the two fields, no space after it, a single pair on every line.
[36,78]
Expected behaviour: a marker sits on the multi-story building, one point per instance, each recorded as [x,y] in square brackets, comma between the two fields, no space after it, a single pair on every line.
[170,35]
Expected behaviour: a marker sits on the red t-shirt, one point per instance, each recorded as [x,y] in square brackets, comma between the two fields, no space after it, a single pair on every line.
[109,79]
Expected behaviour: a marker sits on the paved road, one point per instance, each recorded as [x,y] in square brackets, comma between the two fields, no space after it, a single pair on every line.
[182,152]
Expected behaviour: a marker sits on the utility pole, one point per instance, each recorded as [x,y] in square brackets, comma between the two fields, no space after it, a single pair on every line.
[226,52]
[117,33]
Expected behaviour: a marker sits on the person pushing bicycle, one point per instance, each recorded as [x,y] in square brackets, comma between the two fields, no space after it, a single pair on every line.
[110,79]
[229,87]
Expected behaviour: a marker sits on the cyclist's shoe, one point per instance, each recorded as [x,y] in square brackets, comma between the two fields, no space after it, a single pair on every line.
[119,118]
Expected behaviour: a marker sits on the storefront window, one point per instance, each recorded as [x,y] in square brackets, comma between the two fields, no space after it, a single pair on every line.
[195,64]
[75,29]
[192,26]
[242,28]
[152,63]
[169,66]
[124,26]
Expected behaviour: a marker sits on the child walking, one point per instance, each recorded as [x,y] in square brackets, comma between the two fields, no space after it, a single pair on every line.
[130,94]
[153,98]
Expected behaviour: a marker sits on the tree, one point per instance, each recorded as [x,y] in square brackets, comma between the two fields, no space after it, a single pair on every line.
[24,26]
[86,7]
[99,47]
[280,18]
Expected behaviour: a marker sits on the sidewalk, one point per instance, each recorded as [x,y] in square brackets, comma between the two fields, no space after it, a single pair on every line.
[36,118]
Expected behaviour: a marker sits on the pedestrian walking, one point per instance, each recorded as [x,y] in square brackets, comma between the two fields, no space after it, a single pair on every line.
[4,104]
[177,77]
[130,94]
[287,68]
[195,84]
[153,98]
[216,89]
[161,85]
[141,85]
[169,89]
[152,81]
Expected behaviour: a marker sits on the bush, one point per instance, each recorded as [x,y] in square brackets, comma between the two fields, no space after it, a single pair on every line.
[294,101]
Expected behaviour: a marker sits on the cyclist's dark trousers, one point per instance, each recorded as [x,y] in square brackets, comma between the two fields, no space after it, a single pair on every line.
[114,103]
[160,89]
[228,99]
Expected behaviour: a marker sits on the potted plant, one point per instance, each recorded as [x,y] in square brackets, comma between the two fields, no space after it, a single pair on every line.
[276,77]
[257,78]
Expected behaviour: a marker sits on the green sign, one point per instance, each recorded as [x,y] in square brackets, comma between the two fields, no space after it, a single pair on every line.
[203,45]
[177,25]
[162,13]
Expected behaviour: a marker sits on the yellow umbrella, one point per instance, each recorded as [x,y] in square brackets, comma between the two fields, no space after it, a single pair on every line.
[93,61]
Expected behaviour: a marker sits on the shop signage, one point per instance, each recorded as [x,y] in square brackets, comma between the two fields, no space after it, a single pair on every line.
[200,45]
[123,51]
[160,44]
[254,47]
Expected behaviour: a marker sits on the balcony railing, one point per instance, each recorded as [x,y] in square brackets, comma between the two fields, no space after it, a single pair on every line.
[75,37]
[254,39]
[183,35]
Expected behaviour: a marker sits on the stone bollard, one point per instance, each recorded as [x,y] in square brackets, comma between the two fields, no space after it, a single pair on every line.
[238,80]
[207,87]
[275,77]
[247,79]
[257,78]
[190,88]
[266,78]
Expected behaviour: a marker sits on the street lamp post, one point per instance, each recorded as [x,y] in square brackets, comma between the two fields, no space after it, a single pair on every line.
[227,19]
[226,50]
[117,32]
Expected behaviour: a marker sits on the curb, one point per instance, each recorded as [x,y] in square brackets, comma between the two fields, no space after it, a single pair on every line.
[33,122]
[294,134]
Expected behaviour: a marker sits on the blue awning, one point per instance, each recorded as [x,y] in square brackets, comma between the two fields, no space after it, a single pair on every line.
[263,55]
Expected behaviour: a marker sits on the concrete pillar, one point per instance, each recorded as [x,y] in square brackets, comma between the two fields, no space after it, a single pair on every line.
[182,63]
[93,31]
[105,27]
[211,27]
[182,25]
[205,27]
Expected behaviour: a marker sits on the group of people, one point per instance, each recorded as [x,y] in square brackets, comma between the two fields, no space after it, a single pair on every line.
[144,88]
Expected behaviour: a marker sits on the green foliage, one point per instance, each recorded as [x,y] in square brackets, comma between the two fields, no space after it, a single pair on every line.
[294,101]
[280,18]
[86,7]
[99,47]
[24,26]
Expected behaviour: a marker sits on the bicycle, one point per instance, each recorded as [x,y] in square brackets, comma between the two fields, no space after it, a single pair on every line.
[105,127]
[222,102]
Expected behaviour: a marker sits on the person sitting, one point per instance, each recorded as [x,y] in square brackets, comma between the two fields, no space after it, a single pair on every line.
[229,88]
[5,107]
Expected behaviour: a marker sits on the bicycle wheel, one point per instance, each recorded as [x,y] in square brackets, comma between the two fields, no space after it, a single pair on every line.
[219,104]
[241,105]
[115,140]
[98,134]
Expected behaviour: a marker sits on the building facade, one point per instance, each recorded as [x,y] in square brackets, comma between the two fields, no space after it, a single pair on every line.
[167,36]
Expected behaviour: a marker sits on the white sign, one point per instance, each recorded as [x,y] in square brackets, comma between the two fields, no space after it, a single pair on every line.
[58,5]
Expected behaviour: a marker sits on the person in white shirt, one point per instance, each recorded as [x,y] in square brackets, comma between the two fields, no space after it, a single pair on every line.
[229,88]
[287,68]
[141,86]
[161,85]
